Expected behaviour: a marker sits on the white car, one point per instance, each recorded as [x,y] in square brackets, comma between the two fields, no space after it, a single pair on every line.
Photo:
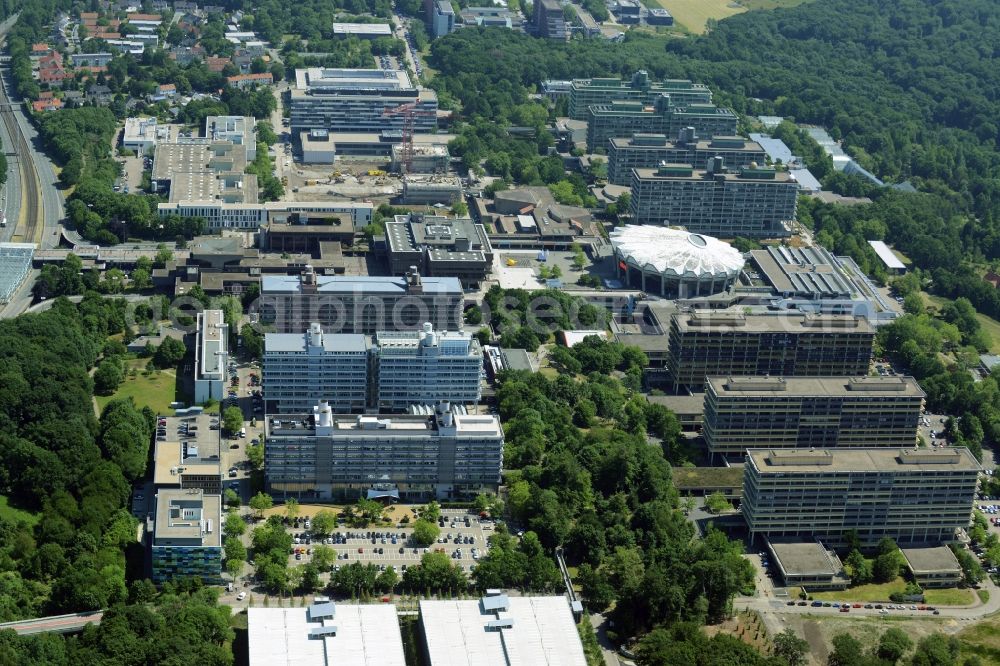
[241,596]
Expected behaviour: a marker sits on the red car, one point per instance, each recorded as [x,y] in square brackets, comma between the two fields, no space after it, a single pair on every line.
[845,609]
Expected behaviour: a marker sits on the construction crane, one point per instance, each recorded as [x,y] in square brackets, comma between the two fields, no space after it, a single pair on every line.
[409,112]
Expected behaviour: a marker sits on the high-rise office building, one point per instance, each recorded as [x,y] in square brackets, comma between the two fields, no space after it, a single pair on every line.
[584,93]
[549,20]
[424,367]
[352,372]
[414,457]
[752,202]
[359,100]
[342,304]
[915,496]
[300,368]
[710,343]
[187,538]
[663,116]
[647,151]
[804,412]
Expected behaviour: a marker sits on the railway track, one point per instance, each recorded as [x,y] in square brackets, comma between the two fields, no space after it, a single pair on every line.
[26,164]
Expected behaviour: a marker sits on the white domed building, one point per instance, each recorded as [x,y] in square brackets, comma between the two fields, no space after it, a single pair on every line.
[674,263]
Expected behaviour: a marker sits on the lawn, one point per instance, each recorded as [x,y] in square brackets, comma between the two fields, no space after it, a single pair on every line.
[951,596]
[984,596]
[14,514]
[870,592]
[694,14]
[157,390]
[990,325]
[879,592]
[770,4]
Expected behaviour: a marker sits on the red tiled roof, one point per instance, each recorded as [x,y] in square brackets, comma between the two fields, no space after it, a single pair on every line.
[46,105]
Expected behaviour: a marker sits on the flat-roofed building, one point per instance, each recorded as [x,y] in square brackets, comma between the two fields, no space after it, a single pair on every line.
[663,116]
[753,202]
[646,151]
[359,100]
[408,456]
[500,629]
[423,158]
[245,215]
[935,566]
[439,246]
[187,536]
[441,18]
[362,30]
[323,147]
[425,367]
[325,634]
[211,350]
[803,412]
[808,564]
[300,368]
[429,190]
[707,343]
[585,93]
[239,130]
[914,496]
[140,134]
[549,20]
[345,304]
[187,454]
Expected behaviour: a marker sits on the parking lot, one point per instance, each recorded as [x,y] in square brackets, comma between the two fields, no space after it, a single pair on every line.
[393,546]
[240,393]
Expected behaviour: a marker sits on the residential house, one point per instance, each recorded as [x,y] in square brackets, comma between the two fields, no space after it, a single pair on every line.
[244,81]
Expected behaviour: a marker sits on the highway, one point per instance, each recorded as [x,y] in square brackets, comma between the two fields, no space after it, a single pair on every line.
[61,624]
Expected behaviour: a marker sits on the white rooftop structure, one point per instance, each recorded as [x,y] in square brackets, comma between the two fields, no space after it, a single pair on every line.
[362,29]
[674,252]
[497,629]
[325,634]
[887,256]
[345,80]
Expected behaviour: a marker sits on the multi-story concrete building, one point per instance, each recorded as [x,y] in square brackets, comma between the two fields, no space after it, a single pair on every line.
[585,93]
[915,496]
[804,412]
[646,151]
[239,130]
[359,100]
[425,367]
[210,353]
[222,215]
[187,536]
[410,457]
[752,202]
[549,20]
[709,343]
[342,304]
[439,246]
[354,372]
[663,116]
[300,368]
[441,18]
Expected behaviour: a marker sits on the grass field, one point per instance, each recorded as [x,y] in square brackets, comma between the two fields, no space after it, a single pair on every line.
[157,390]
[14,514]
[694,14]
[990,325]
[983,640]
[877,592]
